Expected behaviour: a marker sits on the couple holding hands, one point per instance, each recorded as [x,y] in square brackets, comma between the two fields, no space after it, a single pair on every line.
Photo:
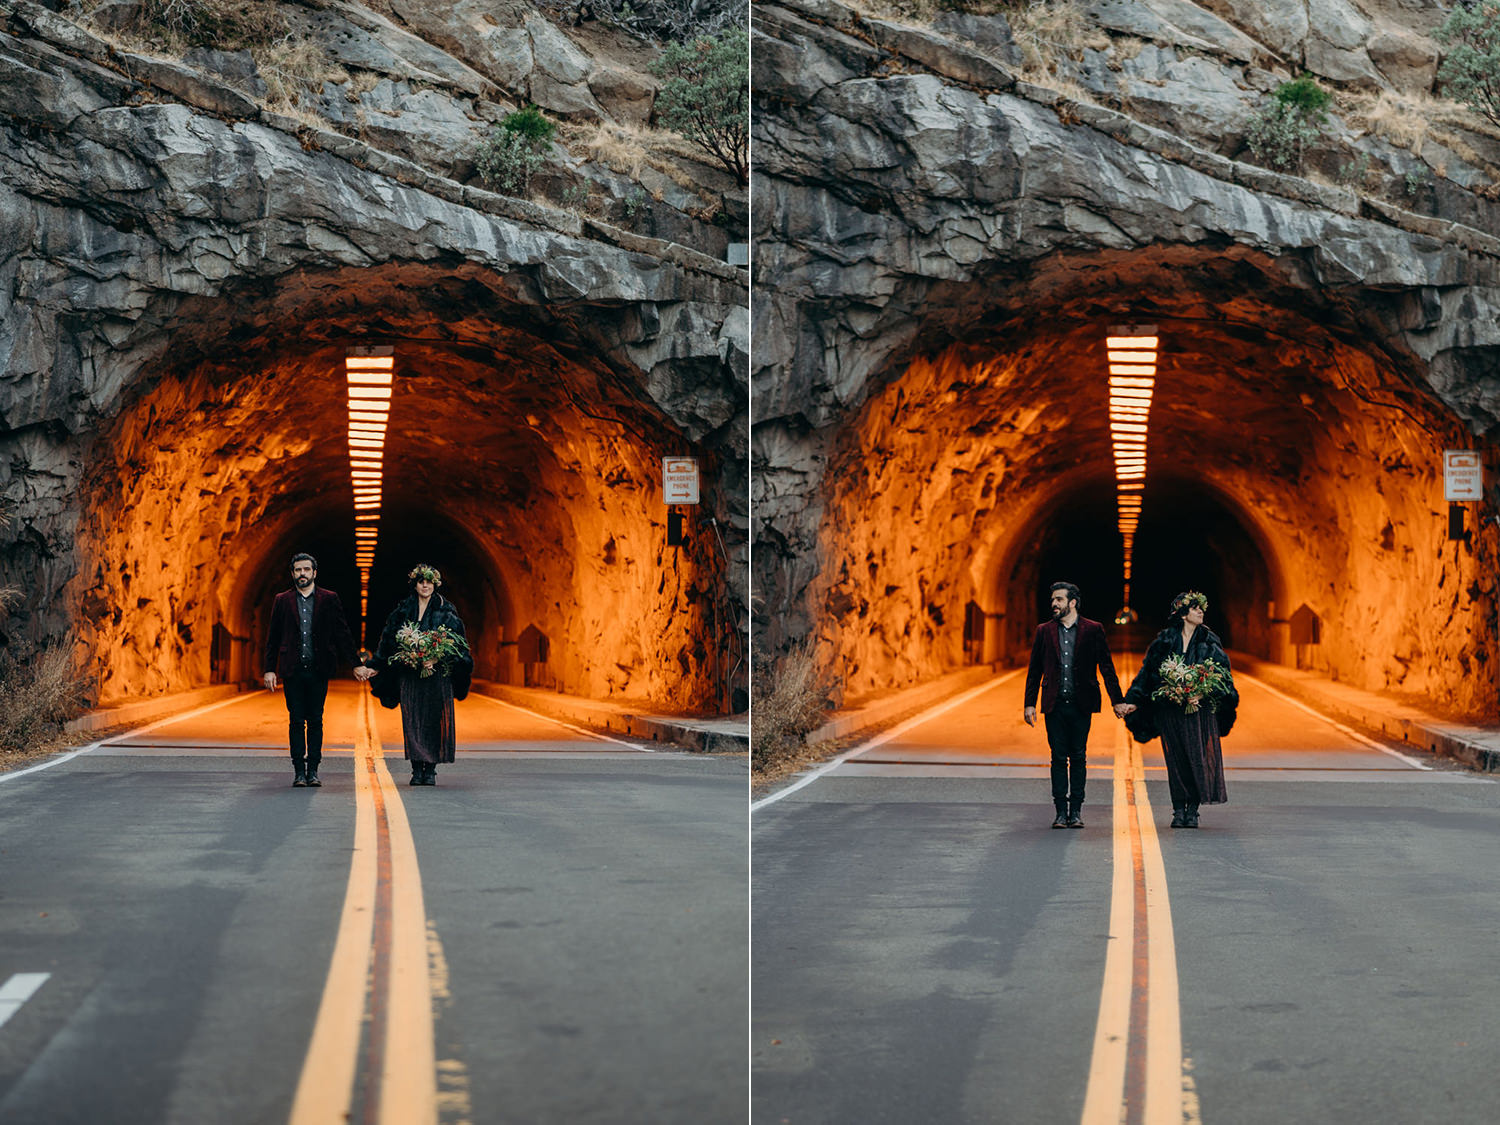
[1184,692]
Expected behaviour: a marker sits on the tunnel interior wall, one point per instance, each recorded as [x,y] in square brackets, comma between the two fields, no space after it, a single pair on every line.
[1287,471]
[527,472]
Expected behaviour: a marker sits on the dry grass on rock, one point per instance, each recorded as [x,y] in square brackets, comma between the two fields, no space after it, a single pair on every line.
[36,697]
[789,702]
[1408,121]
[292,68]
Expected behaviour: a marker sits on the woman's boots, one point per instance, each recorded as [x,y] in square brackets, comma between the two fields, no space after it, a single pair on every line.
[1184,816]
[423,773]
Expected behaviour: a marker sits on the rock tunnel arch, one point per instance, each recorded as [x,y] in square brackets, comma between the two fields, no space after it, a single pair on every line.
[1295,459]
[523,458]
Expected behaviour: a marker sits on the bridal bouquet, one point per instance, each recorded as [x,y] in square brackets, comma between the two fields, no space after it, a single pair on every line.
[429,650]
[1192,685]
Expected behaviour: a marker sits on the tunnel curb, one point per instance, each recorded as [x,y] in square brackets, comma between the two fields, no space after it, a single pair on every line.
[900,704]
[704,736]
[148,710]
[1475,747]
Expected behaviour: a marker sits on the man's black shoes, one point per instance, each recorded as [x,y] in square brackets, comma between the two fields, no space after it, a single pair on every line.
[312,780]
[1061,821]
[1075,821]
[299,780]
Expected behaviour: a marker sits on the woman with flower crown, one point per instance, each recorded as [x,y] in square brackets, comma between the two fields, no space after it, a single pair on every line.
[423,664]
[1185,692]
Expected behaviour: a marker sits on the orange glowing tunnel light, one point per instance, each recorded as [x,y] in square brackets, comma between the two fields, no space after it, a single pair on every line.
[1114,342]
[370,362]
[369,379]
[374,394]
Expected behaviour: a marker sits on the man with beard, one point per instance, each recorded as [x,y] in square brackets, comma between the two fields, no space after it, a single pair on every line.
[1067,657]
[307,642]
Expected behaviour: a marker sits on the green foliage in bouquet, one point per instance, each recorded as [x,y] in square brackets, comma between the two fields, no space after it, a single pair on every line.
[1192,685]
[429,650]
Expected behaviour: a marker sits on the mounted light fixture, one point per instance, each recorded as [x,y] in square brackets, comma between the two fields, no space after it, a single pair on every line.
[369,377]
[1132,381]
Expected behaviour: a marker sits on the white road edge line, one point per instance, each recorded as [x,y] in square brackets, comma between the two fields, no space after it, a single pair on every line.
[20,988]
[1335,724]
[92,746]
[565,726]
[896,731]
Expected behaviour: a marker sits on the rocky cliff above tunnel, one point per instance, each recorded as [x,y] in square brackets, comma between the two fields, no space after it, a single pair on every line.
[179,284]
[947,246]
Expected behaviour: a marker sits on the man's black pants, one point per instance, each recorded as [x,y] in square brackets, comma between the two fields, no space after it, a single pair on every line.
[305,693]
[1068,736]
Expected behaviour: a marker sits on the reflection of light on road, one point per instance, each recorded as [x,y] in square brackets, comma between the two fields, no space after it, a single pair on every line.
[369,373]
[1132,379]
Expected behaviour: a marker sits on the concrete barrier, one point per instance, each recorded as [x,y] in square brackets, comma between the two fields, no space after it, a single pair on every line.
[1476,747]
[901,704]
[148,710]
[711,736]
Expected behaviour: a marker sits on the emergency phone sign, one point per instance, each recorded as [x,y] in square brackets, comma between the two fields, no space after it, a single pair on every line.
[1463,475]
[679,480]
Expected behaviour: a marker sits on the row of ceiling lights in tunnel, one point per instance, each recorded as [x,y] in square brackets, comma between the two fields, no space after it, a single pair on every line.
[1132,381]
[370,377]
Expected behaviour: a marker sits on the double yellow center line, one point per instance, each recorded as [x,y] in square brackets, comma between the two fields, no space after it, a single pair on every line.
[1137,1076]
[379,969]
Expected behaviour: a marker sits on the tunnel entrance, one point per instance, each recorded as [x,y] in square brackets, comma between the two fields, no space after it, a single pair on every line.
[522,458]
[1294,461]
[1189,539]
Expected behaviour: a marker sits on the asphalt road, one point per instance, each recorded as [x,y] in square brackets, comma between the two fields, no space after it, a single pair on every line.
[926,948]
[585,907]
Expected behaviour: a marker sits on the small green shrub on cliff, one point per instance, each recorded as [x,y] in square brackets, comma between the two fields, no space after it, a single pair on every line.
[514,150]
[1291,121]
[1471,71]
[706,97]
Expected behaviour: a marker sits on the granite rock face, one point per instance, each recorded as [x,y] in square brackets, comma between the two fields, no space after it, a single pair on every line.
[179,283]
[940,261]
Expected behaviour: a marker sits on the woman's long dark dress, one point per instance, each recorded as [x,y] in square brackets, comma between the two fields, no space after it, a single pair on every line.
[426,701]
[1190,742]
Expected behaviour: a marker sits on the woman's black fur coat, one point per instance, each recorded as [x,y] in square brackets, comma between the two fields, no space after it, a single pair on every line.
[440,611]
[1204,646]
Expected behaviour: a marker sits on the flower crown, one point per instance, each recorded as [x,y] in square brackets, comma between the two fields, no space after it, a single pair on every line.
[423,572]
[1190,599]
